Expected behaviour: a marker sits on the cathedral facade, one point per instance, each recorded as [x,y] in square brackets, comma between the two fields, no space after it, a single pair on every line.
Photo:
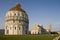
[16,21]
[38,29]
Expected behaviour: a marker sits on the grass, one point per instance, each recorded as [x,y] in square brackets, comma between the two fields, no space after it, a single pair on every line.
[28,37]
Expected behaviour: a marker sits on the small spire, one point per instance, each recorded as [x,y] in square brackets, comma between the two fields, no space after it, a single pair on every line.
[17,5]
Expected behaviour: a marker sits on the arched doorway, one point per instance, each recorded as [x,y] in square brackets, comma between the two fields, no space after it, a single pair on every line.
[7,31]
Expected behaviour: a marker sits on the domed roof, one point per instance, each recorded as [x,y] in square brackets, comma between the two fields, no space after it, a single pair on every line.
[17,7]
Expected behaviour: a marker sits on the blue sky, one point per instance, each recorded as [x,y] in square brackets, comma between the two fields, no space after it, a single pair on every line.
[39,11]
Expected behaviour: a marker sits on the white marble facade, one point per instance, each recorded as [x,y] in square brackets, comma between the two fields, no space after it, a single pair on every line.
[16,21]
[38,29]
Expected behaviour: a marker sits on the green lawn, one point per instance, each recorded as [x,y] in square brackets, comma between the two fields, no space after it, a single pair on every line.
[28,37]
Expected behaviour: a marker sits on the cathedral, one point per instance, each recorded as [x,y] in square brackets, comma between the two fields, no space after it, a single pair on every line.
[38,29]
[16,21]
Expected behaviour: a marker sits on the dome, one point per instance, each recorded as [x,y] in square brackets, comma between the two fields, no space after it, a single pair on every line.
[17,7]
[17,12]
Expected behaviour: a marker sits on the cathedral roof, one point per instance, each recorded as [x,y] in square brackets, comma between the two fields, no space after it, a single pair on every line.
[17,7]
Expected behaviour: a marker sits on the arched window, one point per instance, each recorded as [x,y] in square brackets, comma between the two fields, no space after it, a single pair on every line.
[13,21]
[20,13]
[7,31]
[19,28]
[15,28]
[25,31]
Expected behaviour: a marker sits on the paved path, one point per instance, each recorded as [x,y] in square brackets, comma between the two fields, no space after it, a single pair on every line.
[57,38]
